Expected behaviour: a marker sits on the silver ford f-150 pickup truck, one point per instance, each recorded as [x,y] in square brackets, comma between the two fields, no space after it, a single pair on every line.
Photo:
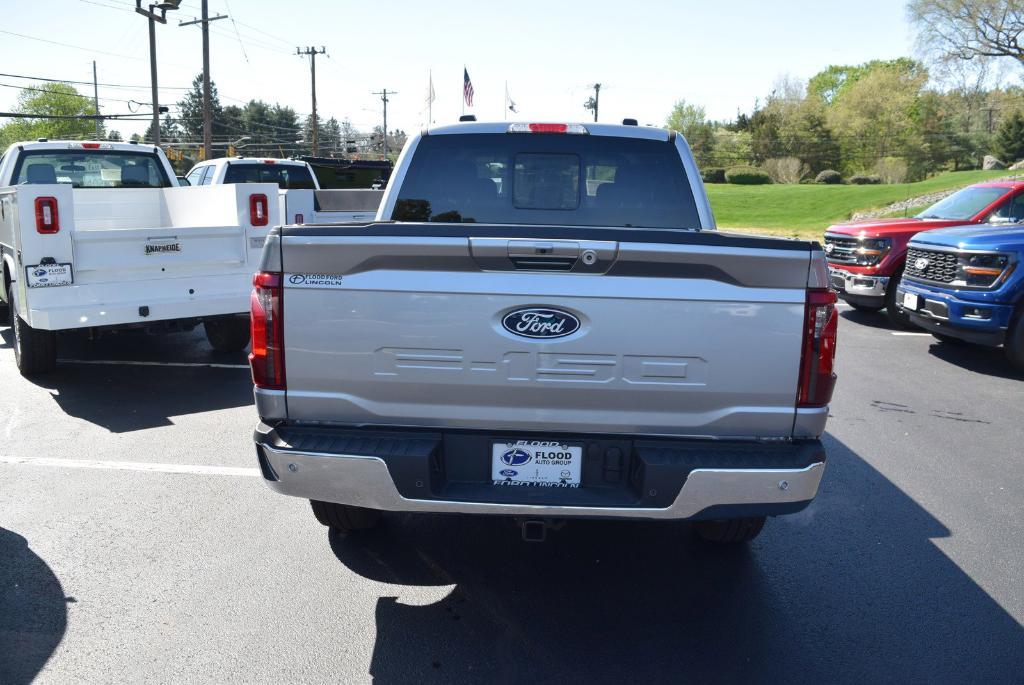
[543,322]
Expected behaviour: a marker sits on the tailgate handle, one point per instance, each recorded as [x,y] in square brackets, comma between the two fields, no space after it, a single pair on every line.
[547,255]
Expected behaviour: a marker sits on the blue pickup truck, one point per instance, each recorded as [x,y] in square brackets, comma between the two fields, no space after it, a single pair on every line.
[967,284]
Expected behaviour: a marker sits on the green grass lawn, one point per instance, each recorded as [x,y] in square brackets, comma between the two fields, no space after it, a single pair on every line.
[805,211]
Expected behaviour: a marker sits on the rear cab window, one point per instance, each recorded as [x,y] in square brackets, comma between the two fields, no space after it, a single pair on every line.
[286,176]
[574,180]
[91,169]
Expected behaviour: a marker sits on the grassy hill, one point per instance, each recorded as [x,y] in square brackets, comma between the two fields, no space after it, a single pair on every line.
[805,211]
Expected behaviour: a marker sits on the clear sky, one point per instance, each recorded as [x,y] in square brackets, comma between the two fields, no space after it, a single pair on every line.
[646,53]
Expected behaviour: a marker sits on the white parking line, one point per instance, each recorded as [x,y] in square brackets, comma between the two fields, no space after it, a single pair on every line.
[120,362]
[194,469]
[906,333]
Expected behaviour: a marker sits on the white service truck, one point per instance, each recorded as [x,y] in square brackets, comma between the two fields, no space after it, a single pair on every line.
[98,235]
[301,199]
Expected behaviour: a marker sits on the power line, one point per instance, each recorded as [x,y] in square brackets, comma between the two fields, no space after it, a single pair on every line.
[69,45]
[89,83]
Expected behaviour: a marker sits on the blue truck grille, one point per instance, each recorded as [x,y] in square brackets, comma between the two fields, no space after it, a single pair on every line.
[931,265]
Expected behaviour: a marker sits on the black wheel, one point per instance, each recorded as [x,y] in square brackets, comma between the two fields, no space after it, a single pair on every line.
[1014,344]
[867,307]
[891,308]
[344,518]
[729,531]
[227,333]
[35,351]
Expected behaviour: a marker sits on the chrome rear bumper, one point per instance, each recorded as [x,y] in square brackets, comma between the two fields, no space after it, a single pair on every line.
[365,481]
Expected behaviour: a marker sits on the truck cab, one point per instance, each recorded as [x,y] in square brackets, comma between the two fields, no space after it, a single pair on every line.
[866,259]
[967,284]
[301,201]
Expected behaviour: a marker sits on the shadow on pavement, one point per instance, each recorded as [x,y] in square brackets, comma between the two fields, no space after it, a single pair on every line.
[33,611]
[977,358]
[879,320]
[131,397]
[851,590]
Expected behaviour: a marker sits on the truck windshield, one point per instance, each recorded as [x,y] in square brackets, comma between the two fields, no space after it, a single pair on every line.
[286,176]
[91,169]
[963,205]
[575,180]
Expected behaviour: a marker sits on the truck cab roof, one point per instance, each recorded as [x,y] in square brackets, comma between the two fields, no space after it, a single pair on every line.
[591,128]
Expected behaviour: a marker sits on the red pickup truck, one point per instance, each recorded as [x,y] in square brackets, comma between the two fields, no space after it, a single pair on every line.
[865,258]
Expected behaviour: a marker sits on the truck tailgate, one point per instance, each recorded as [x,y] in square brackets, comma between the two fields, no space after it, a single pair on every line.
[662,333]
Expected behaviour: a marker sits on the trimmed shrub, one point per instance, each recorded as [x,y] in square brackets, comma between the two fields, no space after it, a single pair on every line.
[747,176]
[713,175]
[829,177]
[862,180]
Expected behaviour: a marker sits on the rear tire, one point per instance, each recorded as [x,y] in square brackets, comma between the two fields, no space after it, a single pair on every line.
[730,531]
[1014,343]
[227,333]
[344,518]
[35,351]
[898,318]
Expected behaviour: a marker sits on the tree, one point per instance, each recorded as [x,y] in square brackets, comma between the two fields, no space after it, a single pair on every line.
[1009,142]
[691,121]
[190,109]
[969,29]
[52,99]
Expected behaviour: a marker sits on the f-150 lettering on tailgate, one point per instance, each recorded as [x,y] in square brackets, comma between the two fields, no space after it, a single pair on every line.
[413,363]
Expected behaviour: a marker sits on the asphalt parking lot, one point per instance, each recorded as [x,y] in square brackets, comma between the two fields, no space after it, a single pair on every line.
[157,554]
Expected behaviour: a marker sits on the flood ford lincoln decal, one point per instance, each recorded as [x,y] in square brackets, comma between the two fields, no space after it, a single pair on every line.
[540,322]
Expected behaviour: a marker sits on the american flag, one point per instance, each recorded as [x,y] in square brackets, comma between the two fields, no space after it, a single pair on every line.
[467,87]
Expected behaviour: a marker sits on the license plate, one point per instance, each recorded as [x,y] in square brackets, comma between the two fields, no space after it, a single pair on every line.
[536,463]
[910,301]
[49,275]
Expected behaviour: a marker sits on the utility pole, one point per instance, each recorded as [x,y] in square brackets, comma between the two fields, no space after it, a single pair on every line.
[384,98]
[207,94]
[96,101]
[153,17]
[313,52]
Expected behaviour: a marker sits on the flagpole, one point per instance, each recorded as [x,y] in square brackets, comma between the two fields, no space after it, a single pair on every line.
[504,110]
[464,89]
[430,98]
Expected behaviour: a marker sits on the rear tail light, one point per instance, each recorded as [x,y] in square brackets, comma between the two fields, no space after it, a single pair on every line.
[821,323]
[266,306]
[258,212]
[47,219]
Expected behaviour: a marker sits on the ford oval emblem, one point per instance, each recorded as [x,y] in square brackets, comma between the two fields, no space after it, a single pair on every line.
[920,264]
[508,473]
[516,457]
[540,322]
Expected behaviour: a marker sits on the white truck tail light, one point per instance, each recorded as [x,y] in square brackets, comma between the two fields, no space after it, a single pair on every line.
[266,306]
[258,212]
[47,219]
[821,324]
[576,129]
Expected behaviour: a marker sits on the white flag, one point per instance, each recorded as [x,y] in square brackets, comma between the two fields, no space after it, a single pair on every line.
[509,102]
[430,90]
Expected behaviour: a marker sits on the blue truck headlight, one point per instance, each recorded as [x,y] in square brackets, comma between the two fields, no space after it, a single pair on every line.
[982,270]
